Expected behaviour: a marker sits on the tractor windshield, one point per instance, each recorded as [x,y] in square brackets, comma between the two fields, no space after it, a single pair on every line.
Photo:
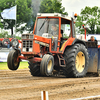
[47,27]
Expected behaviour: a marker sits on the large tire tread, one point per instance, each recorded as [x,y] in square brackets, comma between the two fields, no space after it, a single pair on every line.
[34,69]
[70,56]
[10,60]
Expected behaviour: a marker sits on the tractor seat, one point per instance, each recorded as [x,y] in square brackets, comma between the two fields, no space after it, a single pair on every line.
[62,34]
[62,39]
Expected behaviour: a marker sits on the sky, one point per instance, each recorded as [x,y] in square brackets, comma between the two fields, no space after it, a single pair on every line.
[76,5]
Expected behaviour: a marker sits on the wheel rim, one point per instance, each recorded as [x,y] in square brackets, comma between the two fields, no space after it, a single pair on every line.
[80,61]
[5,43]
[49,67]
[15,43]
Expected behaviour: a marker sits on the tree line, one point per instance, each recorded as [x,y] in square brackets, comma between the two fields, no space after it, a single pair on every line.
[26,15]
[90,18]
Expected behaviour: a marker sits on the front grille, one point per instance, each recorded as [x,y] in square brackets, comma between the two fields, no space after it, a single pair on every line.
[27,45]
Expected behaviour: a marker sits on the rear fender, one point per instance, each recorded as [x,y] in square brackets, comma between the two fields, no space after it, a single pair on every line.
[67,43]
[71,41]
[79,41]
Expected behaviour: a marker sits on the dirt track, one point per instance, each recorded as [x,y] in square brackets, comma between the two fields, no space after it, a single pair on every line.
[20,85]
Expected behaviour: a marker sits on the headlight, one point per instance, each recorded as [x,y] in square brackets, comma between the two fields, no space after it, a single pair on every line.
[30,49]
[24,49]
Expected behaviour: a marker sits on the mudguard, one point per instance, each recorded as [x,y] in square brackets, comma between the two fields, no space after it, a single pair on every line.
[71,41]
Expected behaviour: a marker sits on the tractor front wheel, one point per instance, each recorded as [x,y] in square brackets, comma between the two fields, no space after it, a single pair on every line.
[12,60]
[76,58]
[47,64]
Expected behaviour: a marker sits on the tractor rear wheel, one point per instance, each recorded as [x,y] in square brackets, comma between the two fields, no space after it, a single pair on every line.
[15,43]
[47,64]
[12,60]
[5,42]
[76,58]
[34,69]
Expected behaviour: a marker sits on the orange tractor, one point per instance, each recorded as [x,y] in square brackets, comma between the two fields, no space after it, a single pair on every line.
[53,46]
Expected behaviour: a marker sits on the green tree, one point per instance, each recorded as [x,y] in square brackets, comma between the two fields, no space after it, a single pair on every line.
[23,14]
[79,24]
[98,30]
[51,6]
[3,34]
[1,25]
[90,18]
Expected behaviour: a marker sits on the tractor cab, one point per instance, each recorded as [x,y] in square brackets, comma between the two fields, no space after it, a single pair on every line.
[48,28]
[55,29]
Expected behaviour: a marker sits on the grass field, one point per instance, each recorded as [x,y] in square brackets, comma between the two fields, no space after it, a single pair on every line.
[23,65]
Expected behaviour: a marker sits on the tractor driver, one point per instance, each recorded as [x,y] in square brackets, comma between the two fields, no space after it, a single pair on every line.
[54,30]
[54,33]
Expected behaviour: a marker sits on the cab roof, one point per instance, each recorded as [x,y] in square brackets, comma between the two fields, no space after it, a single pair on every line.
[53,15]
